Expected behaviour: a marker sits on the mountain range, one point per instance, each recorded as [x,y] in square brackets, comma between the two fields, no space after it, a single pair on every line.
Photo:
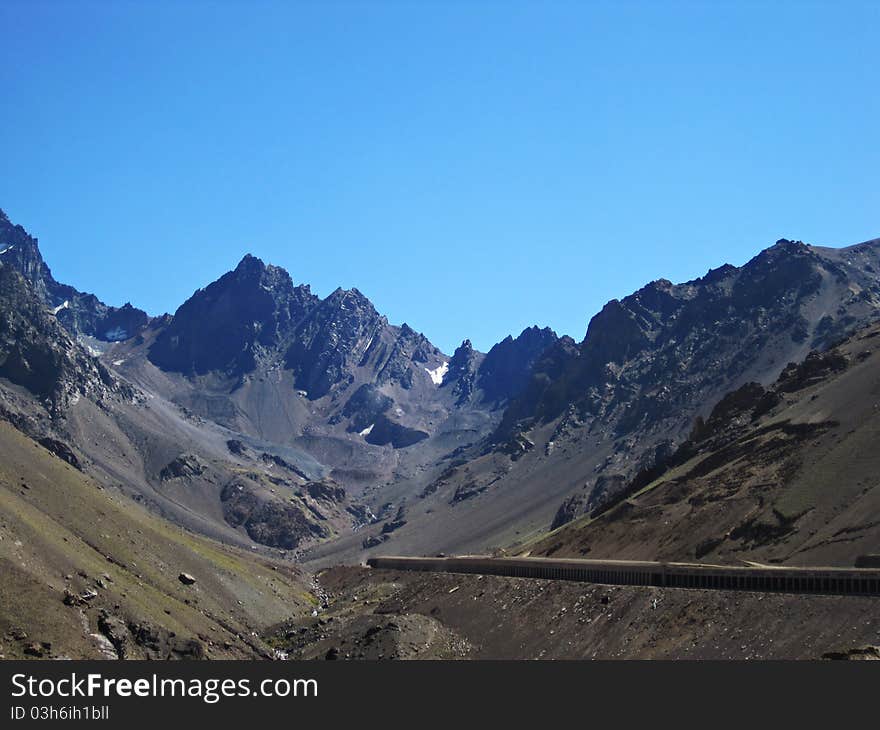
[313,390]
[271,420]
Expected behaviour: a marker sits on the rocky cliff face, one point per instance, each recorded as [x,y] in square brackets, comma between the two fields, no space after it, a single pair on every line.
[37,354]
[255,316]
[345,339]
[661,351]
[651,361]
[385,384]
[231,323]
[80,313]
[505,371]
[461,376]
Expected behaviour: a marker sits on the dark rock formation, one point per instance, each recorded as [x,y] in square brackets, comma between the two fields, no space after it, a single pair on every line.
[61,450]
[468,490]
[365,407]
[80,313]
[814,369]
[335,338]
[39,355]
[398,521]
[225,326]
[373,541]
[284,464]
[547,390]
[732,409]
[505,371]
[385,431]
[569,510]
[325,491]
[236,447]
[185,465]
[517,445]
[462,373]
[268,521]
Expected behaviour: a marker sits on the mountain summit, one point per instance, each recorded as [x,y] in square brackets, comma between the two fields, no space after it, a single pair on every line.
[227,325]
[81,313]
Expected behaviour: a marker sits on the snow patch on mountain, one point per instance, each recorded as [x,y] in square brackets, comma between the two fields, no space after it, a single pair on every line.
[367,430]
[116,335]
[57,309]
[438,373]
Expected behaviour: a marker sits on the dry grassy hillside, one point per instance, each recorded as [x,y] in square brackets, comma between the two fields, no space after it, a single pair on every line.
[86,573]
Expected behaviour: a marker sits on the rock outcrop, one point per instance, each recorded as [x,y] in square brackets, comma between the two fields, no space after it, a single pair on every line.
[80,313]
[37,353]
[227,325]
[507,367]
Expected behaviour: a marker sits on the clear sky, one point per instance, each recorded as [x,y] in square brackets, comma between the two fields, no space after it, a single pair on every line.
[472,167]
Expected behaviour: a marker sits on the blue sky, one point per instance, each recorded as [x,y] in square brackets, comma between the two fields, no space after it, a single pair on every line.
[474,168]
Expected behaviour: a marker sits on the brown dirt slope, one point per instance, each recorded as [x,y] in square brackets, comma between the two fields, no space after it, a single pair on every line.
[492,617]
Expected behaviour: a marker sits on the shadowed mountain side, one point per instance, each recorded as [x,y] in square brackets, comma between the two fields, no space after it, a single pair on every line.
[37,354]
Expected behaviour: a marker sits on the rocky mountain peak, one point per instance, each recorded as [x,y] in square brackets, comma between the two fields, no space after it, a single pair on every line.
[656,352]
[462,353]
[718,274]
[463,363]
[335,337]
[787,244]
[350,300]
[506,369]
[224,326]
[37,353]
[80,313]
[249,263]
[251,271]
[462,372]
[22,252]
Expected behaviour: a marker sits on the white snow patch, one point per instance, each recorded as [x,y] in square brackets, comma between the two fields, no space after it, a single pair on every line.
[57,309]
[92,351]
[8,248]
[116,335]
[438,373]
[366,431]
[117,363]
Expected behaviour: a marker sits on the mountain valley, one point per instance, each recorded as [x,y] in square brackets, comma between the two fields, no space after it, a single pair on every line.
[261,434]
